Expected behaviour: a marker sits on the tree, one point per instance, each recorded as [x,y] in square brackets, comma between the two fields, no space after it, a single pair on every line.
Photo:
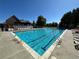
[66,20]
[49,24]
[34,24]
[70,19]
[54,24]
[1,26]
[41,21]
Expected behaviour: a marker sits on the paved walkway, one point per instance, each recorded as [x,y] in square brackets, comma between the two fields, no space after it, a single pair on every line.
[10,49]
[67,50]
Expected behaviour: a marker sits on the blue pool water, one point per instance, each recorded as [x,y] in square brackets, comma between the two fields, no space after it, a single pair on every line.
[40,39]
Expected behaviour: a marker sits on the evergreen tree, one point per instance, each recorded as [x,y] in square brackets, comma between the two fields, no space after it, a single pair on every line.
[70,19]
[41,21]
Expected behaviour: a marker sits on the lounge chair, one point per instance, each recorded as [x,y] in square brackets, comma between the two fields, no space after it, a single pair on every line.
[76,38]
[77,47]
[76,42]
[53,57]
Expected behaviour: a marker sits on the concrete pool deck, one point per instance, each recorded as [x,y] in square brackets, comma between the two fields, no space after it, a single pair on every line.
[66,50]
[11,50]
[34,53]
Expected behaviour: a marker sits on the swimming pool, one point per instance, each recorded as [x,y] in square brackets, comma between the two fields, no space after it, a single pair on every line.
[40,39]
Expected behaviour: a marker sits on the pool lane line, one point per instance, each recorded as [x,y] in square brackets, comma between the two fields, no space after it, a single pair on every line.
[38,38]
[49,42]
[40,41]
[51,48]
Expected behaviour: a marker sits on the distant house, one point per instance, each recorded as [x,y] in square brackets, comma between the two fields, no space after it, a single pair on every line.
[14,23]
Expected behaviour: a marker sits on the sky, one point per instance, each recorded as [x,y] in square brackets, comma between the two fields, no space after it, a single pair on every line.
[52,10]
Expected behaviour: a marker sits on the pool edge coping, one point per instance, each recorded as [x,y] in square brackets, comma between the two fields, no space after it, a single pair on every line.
[28,48]
[51,48]
[34,53]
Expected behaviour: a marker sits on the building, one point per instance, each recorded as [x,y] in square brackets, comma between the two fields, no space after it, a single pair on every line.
[13,23]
